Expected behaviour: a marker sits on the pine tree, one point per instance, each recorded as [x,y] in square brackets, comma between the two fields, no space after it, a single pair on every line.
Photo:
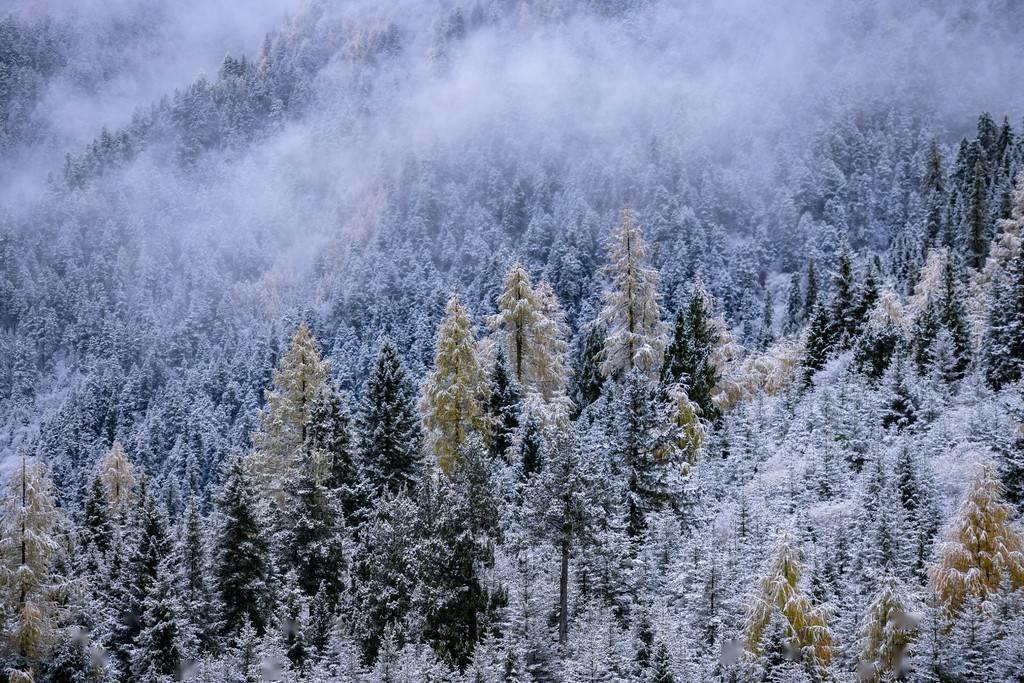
[531,447]
[843,308]
[453,395]
[587,379]
[30,543]
[388,426]
[642,447]
[888,629]
[953,317]
[160,644]
[935,194]
[298,380]
[636,334]
[778,596]
[1003,345]
[241,568]
[980,546]
[97,526]
[192,564]
[820,341]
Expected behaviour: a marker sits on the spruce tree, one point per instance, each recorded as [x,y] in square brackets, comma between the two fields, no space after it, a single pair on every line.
[689,360]
[587,379]
[241,569]
[502,405]
[811,293]
[329,444]
[976,221]
[888,629]
[766,335]
[388,430]
[1003,344]
[794,305]
[843,307]
[316,535]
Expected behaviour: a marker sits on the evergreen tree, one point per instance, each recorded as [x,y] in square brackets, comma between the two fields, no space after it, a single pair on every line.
[96,523]
[689,360]
[298,380]
[820,341]
[794,305]
[453,395]
[1003,345]
[241,569]
[811,293]
[843,308]
[587,379]
[193,565]
[316,524]
[976,220]
[388,426]
[766,335]
[636,334]
[502,405]
[564,507]
[330,445]
[119,480]
[161,642]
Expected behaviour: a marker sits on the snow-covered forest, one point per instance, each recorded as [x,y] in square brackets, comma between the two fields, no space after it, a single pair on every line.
[511,340]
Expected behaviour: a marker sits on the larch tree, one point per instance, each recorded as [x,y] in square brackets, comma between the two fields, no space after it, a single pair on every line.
[30,542]
[532,332]
[981,546]
[636,333]
[453,395]
[518,308]
[298,380]
[778,595]
[887,631]
[389,437]
[117,474]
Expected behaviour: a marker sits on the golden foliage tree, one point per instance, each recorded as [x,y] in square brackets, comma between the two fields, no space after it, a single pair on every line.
[981,546]
[452,401]
[778,592]
[298,379]
[117,474]
[29,543]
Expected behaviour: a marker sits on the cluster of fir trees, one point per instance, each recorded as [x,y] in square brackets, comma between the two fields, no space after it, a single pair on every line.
[365,546]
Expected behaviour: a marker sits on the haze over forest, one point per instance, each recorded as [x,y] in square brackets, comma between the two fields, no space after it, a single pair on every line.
[550,340]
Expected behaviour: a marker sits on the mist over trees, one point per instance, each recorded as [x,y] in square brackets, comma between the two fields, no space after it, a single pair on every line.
[512,341]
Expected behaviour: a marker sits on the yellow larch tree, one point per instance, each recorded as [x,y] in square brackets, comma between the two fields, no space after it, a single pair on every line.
[117,474]
[453,394]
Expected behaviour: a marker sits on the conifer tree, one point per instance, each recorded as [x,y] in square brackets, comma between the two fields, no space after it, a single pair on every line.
[794,305]
[388,426]
[96,523]
[316,535]
[548,368]
[241,568]
[811,293]
[643,448]
[30,543]
[587,379]
[193,564]
[161,644]
[766,335]
[1003,345]
[636,334]
[778,596]
[843,308]
[298,380]
[564,508]
[690,360]
[981,546]
[518,310]
[820,341]
[330,446]
[976,221]
[886,632]
[119,480]
[502,405]
[883,334]
[453,395]
[935,195]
